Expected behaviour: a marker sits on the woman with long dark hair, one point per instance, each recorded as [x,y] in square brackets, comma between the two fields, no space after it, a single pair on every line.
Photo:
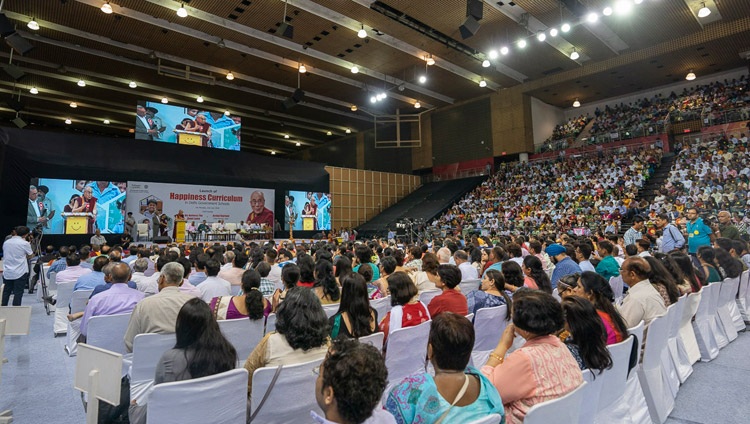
[707,259]
[306,266]
[355,318]
[684,284]
[513,275]
[663,281]
[729,267]
[343,267]
[585,335]
[532,268]
[250,304]
[597,290]
[685,264]
[325,283]
[491,293]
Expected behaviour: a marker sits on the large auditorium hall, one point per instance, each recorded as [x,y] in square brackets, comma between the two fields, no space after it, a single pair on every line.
[375,211]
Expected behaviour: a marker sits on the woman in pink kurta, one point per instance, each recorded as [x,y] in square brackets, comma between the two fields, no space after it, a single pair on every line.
[543,368]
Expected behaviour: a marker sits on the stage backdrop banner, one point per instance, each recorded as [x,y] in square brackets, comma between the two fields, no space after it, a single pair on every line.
[201,202]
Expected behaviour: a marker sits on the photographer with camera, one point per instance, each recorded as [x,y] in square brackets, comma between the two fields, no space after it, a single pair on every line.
[17,251]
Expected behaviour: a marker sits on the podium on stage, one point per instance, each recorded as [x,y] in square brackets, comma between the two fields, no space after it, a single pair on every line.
[179,233]
[191,138]
[308,222]
[77,222]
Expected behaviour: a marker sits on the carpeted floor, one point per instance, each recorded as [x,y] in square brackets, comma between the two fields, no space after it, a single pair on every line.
[37,381]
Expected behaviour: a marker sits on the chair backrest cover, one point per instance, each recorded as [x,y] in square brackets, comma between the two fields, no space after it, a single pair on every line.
[375,339]
[270,323]
[566,409]
[78,300]
[469,285]
[489,419]
[217,399]
[613,380]
[637,332]
[728,292]
[489,324]
[704,307]
[64,293]
[656,342]
[407,351]
[331,310]
[427,296]
[382,305]
[676,321]
[147,350]
[108,332]
[591,393]
[292,397]
[743,291]
[618,286]
[243,333]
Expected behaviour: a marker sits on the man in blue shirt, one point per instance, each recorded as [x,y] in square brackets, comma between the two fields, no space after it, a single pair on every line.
[563,264]
[699,234]
[61,263]
[92,279]
[671,238]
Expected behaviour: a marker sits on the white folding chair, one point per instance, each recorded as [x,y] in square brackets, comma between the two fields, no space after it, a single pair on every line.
[634,398]
[142,232]
[566,409]
[294,382]
[427,296]
[331,310]
[489,324]
[744,295]
[374,339]
[188,401]
[618,286]
[704,325]
[469,285]
[489,419]
[687,334]
[244,334]
[108,332]
[147,350]
[407,351]
[680,361]
[651,374]
[78,302]
[667,363]
[729,315]
[591,393]
[270,323]
[609,405]
[64,293]
[382,305]
[722,340]
[230,226]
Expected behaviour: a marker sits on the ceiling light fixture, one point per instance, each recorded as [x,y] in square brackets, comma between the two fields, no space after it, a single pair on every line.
[638,1]
[482,83]
[329,133]
[422,79]
[704,11]
[68,121]
[592,17]
[574,55]
[164,100]
[430,60]
[33,90]
[541,36]
[353,108]
[199,99]
[565,27]
[623,7]
[286,136]
[690,76]
[106,8]
[522,43]
[373,99]
[553,32]
[355,69]
[607,11]
[298,144]
[230,76]
[348,131]
[73,105]
[362,33]
[132,84]
[492,54]
[81,83]
[417,105]
[485,63]
[227,113]
[273,152]
[106,122]
[576,103]
[182,12]
[33,24]
[302,69]
[504,50]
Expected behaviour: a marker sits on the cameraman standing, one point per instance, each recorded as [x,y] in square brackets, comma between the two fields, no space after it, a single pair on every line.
[17,251]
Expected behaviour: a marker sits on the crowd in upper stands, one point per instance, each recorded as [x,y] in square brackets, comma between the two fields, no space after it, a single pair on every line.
[569,129]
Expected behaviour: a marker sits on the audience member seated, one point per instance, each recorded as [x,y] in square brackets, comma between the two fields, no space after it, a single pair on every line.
[363,255]
[564,265]
[515,278]
[61,263]
[355,317]
[643,302]
[306,265]
[373,291]
[143,283]
[290,278]
[584,335]
[468,272]
[490,294]
[532,269]
[424,279]
[89,281]
[457,393]
[118,299]
[343,266]
[186,287]
[214,286]
[199,275]
[407,310]
[250,304]
[537,317]
[158,313]
[233,274]
[325,287]
[107,271]
[301,334]
[451,299]
[350,384]
[729,267]
[692,276]
[597,290]
[569,129]
[607,266]
[663,281]
[72,271]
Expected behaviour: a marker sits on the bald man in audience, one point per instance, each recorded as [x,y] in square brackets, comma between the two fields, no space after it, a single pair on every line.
[158,313]
[642,302]
[118,299]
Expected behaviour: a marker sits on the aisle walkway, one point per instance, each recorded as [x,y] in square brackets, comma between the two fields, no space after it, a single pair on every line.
[37,381]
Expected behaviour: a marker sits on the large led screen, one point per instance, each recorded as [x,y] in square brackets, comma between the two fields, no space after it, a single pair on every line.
[186,125]
[307,211]
[76,206]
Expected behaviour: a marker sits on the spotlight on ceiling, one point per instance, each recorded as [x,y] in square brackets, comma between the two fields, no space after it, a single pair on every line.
[362,33]
[430,60]
[592,17]
[106,8]
[33,90]
[302,69]
[576,103]
[607,11]
[182,12]
[106,122]
[623,7]
[521,43]
[230,76]
[73,105]
[485,63]
[541,36]
[348,131]
[227,113]
[565,27]
[492,54]
[690,76]
[81,83]
[199,99]
[353,108]
[417,105]
[504,50]
[164,100]
[132,84]
[286,136]
[298,144]
[373,99]
[33,24]
[329,133]
[482,83]
[422,79]
[704,11]
[68,121]
[574,55]
[553,32]
[355,69]
[273,152]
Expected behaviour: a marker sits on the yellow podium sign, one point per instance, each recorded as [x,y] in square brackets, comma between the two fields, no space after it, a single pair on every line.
[76,223]
[189,137]
[308,222]
[179,234]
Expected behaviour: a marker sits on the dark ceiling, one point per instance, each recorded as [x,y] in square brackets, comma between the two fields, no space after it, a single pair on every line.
[656,44]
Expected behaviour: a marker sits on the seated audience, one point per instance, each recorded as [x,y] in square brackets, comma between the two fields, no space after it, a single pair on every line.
[451,299]
[355,317]
[663,281]
[363,257]
[119,299]
[326,288]
[533,270]
[423,279]
[608,266]
[234,273]
[89,281]
[214,286]
[643,302]
[468,272]
[250,304]
[597,290]
[515,278]
[306,265]
[290,278]
[585,335]
[491,293]
[407,310]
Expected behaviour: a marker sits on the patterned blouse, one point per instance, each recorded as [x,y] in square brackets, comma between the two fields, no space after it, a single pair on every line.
[478,299]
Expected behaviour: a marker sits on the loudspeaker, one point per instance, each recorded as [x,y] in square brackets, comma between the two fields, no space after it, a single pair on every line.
[298,95]
[469,28]
[19,44]
[475,9]
[14,104]
[291,102]
[162,240]
[14,71]
[286,30]
[6,26]
[20,123]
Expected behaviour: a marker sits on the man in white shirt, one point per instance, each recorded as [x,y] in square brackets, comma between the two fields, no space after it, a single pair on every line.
[642,302]
[213,286]
[468,272]
[98,238]
[16,254]
[234,273]
[145,284]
